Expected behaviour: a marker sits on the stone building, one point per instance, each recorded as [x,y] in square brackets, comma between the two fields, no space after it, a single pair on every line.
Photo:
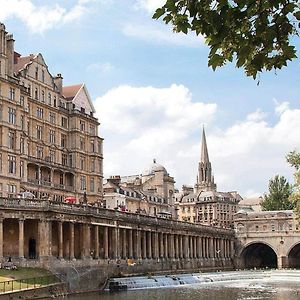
[49,140]
[204,204]
[149,193]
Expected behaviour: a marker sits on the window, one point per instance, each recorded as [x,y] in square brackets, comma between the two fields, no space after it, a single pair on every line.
[43,76]
[82,144]
[36,73]
[93,165]
[12,190]
[49,99]
[92,184]
[92,130]
[82,183]
[52,117]
[22,169]
[12,94]
[99,148]
[54,101]
[22,145]
[82,162]
[39,132]
[64,159]
[82,126]
[22,100]
[22,122]
[64,122]
[40,112]
[39,152]
[36,94]
[0,162]
[11,140]
[11,164]
[92,146]
[51,136]
[63,141]
[11,115]
[52,155]
[61,178]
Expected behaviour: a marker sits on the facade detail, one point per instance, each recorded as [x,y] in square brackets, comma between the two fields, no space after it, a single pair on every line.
[149,193]
[204,204]
[49,142]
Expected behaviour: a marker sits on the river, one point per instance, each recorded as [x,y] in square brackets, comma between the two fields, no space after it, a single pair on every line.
[268,288]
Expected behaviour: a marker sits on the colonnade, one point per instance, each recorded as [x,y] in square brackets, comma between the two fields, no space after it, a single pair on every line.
[74,240]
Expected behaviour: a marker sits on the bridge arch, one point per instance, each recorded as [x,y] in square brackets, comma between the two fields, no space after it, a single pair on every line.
[258,255]
[294,256]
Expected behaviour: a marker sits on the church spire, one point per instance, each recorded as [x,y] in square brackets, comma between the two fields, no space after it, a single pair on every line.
[205,179]
[204,152]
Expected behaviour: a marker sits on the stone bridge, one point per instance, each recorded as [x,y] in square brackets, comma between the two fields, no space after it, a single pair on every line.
[269,239]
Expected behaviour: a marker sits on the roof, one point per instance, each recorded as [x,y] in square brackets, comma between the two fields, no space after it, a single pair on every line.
[71,91]
[155,167]
[22,61]
[251,201]
[204,152]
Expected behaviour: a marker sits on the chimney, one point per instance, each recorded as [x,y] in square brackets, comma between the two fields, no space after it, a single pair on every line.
[2,39]
[58,80]
[10,54]
[114,179]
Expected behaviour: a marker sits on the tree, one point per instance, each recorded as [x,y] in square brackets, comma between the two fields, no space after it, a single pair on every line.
[293,159]
[256,33]
[279,193]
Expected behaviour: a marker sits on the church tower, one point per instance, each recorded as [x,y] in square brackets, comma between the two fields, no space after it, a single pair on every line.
[205,179]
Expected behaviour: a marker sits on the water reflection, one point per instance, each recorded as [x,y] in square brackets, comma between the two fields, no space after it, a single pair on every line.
[238,290]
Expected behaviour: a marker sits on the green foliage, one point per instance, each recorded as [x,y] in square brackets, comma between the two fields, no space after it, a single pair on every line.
[293,159]
[256,33]
[279,193]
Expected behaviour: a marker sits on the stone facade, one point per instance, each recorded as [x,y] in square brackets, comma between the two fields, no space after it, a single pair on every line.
[49,136]
[204,204]
[151,192]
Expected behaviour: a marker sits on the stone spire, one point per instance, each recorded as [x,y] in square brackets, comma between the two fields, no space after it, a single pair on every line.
[205,179]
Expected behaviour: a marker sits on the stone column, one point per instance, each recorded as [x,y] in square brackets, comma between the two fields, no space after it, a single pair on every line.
[180,246]
[44,233]
[138,244]
[144,246]
[191,246]
[161,243]
[166,246]
[114,246]
[124,244]
[211,247]
[130,247]
[1,239]
[86,241]
[97,245]
[156,245]
[176,246]
[149,244]
[195,247]
[60,240]
[231,248]
[72,241]
[105,242]
[185,246]
[21,238]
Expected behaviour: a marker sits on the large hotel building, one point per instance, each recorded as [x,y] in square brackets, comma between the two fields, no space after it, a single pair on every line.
[49,143]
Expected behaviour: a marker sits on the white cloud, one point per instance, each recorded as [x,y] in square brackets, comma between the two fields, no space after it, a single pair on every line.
[160,33]
[41,18]
[141,123]
[149,5]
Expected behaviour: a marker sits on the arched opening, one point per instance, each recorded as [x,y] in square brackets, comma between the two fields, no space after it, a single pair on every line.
[294,257]
[32,248]
[259,255]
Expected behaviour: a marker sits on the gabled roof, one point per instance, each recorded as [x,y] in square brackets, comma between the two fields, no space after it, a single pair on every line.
[78,94]
[71,91]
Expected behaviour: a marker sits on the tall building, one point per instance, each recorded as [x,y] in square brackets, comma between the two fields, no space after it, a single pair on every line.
[49,140]
[205,205]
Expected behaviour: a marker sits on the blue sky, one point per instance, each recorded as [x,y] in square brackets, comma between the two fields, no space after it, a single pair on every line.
[153,91]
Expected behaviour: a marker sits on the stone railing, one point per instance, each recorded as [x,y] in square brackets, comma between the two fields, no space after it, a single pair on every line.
[108,214]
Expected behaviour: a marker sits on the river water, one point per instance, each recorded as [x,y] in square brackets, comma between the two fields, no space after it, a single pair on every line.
[252,289]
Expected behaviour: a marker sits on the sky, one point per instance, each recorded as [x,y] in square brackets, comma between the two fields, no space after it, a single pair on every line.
[153,92]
